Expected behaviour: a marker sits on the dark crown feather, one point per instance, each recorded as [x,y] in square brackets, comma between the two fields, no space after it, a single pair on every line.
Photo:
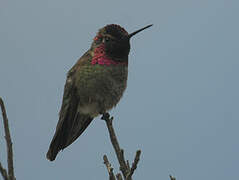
[116,31]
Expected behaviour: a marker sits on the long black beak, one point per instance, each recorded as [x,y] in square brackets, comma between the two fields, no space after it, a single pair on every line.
[133,33]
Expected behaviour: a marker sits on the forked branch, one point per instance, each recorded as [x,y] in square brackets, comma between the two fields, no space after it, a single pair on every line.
[125,168]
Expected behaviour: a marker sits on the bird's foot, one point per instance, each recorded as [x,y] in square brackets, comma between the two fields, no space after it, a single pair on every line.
[105,116]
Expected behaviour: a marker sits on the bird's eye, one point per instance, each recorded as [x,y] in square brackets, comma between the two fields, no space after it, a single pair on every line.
[106,39]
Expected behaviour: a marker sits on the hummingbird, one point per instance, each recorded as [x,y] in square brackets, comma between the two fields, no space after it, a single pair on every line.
[94,85]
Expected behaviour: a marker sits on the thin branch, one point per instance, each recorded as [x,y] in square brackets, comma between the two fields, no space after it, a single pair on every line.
[134,164]
[128,166]
[114,141]
[3,172]
[172,178]
[119,177]
[8,141]
[122,156]
[136,161]
[109,168]
[124,165]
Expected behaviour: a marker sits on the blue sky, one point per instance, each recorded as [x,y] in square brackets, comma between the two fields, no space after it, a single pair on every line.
[181,104]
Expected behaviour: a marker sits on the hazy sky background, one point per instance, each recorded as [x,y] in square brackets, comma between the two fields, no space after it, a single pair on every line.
[181,106]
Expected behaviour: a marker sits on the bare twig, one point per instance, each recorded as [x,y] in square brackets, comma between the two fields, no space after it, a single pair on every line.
[9,144]
[122,156]
[128,166]
[124,165]
[172,178]
[125,168]
[3,172]
[119,177]
[109,168]
[134,164]
[114,141]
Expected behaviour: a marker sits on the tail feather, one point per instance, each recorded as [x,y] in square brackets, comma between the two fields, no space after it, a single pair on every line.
[67,133]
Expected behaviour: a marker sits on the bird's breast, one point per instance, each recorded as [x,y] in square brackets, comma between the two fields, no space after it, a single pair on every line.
[100,86]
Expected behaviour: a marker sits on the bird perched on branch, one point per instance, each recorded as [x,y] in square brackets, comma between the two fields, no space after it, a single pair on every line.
[94,85]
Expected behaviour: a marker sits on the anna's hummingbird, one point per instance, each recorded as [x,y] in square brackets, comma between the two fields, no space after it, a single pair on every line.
[94,85]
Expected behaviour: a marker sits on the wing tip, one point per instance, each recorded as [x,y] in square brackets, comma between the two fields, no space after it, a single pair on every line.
[51,156]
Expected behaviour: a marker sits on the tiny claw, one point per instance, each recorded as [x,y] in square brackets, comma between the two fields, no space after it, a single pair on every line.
[105,116]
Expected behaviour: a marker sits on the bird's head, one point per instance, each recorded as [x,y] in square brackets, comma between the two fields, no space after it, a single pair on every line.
[114,41]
